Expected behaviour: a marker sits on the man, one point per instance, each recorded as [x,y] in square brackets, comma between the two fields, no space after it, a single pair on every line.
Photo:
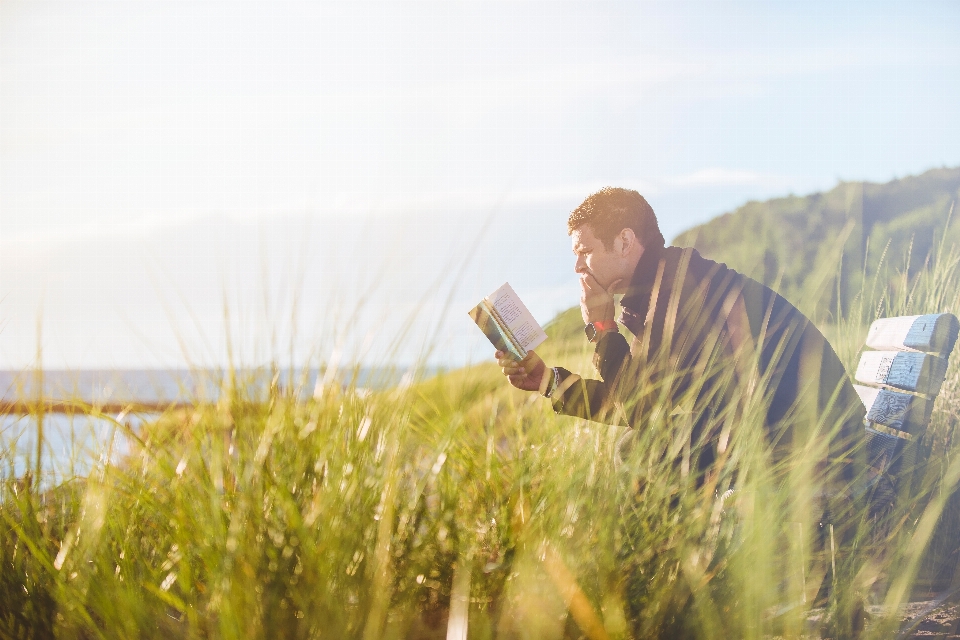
[708,343]
[713,355]
[720,370]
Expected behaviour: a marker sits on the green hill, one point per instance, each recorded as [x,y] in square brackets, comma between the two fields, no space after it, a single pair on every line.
[794,243]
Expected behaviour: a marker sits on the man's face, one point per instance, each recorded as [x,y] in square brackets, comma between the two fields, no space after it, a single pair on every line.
[593,257]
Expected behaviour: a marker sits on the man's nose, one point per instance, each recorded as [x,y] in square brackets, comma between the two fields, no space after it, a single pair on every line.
[581,265]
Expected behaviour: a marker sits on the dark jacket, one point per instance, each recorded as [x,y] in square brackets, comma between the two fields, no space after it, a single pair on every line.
[706,338]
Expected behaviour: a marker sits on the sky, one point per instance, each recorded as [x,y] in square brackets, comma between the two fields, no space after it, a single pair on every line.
[198,183]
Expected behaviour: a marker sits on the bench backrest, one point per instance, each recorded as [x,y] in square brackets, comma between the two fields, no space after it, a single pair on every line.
[904,372]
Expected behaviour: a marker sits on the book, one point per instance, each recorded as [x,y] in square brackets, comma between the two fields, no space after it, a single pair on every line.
[507,323]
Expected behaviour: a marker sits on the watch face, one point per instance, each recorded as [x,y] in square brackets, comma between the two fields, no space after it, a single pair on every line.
[591,332]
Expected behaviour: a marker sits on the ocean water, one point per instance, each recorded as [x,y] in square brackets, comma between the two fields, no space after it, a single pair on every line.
[184,385]
[73,443]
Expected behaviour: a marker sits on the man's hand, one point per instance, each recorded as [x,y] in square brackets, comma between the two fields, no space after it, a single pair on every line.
[527,374]
[596,302]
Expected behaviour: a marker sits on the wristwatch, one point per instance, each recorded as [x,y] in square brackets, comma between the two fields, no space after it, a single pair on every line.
[595,329]
[552,383]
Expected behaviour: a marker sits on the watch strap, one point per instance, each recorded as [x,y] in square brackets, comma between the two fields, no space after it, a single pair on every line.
[609,325]
[594,330]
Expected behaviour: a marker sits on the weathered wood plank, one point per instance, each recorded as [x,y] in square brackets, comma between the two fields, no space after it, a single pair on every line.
[888,453]
[935,333]
[895,410]
[911,371]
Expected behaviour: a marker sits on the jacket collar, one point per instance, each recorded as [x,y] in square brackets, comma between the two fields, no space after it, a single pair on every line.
[637,297]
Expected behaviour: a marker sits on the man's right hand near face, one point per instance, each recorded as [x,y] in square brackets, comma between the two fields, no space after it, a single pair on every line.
[526,375]
[596,301]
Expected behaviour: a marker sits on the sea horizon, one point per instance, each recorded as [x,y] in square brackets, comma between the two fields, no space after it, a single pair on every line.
[179,385]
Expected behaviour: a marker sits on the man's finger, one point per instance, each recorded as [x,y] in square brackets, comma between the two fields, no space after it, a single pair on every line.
[520,382]
[587,281]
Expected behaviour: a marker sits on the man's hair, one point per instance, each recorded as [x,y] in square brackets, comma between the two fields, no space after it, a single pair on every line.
[611,210]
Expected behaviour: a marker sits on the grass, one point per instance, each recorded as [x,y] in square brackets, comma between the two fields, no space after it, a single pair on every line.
[275,513]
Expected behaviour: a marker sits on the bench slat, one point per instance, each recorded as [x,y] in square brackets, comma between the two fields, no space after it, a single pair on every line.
[895,410]
[935,332]
[911,371]
[888,453]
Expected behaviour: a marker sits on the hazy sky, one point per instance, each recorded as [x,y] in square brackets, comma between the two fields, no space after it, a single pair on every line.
[292,160]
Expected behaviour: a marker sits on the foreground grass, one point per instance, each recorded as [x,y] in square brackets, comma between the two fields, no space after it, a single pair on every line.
[376,515]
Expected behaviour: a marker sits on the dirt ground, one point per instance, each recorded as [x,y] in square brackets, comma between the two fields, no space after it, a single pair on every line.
[942,623]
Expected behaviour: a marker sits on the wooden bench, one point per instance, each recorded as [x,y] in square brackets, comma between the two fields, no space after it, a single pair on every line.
[904,371]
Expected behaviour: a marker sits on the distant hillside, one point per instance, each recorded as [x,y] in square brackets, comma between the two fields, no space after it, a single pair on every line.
[798,239]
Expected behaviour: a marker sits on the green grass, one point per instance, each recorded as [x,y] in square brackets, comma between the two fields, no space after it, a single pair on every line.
[349,515]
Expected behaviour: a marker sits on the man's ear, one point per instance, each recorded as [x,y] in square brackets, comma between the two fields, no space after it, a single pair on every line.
[628,241]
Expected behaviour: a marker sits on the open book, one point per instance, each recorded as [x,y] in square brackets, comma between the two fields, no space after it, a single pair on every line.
[507,323]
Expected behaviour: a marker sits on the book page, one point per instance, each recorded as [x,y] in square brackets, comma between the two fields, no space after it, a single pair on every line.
[495,333]
[524,327]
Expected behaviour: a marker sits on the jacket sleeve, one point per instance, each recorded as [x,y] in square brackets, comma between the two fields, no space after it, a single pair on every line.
[595,399]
